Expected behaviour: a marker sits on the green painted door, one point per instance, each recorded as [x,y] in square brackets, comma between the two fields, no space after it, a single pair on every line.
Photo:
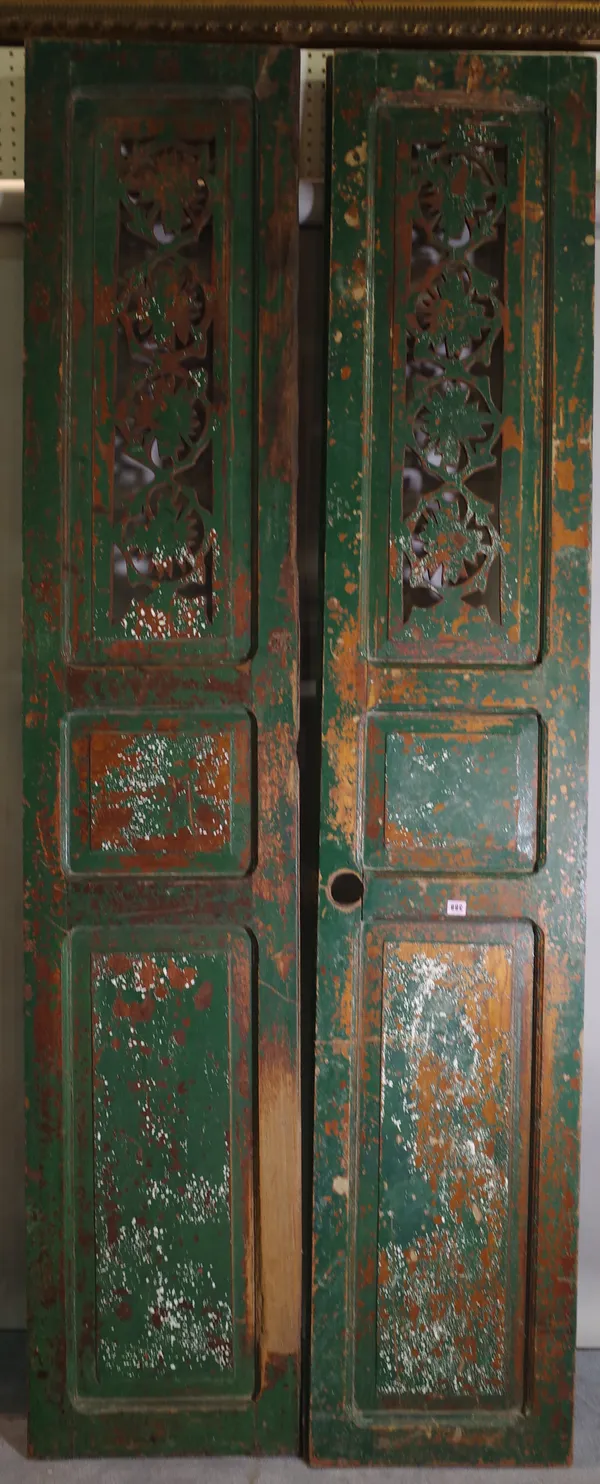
[450,980]
[160,750]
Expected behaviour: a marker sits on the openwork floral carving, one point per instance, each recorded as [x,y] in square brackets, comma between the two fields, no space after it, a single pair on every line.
[166,546]
[450,532]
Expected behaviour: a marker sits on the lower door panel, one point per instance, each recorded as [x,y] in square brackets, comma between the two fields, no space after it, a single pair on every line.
[441,1152]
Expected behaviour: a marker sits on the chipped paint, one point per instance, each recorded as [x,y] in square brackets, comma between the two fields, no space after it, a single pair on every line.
[469,1319]
[457,242]
[160,679]
[444,1329]
[162,1169]
[171,795]
[167,540]
[452,793]
[128,777]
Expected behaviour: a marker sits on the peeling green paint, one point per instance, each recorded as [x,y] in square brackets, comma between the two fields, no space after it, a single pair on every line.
[455,698]
[162,1166]
[160,685]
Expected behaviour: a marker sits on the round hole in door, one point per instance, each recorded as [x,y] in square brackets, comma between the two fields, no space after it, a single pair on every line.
[346,890]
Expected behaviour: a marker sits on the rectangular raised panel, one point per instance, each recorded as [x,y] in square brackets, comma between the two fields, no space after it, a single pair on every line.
[162,382]
[164,793]
[166,1160]
[457,450]
[452,793]
[443,1181]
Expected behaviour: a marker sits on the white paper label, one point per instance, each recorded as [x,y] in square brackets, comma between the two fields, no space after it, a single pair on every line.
[456,908]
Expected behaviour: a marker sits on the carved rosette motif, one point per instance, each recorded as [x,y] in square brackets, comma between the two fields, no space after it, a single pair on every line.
[450,533]
[166,547]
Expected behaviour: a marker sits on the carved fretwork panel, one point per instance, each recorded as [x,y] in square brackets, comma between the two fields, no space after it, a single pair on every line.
[170,531]
[163,493]
[449,537]
[457,455]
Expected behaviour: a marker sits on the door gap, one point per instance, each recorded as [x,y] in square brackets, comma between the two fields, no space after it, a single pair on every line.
[312,326]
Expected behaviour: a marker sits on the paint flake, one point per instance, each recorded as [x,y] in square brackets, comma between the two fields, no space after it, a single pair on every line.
[162,1165]
[443,1226]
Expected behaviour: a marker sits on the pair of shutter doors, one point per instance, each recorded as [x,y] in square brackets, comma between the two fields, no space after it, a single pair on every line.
[161,723]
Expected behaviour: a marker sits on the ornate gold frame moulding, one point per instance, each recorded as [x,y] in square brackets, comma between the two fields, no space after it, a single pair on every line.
[535,24]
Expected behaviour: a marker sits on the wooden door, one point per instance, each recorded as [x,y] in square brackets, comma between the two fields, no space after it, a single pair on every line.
[160,750]
[449,993]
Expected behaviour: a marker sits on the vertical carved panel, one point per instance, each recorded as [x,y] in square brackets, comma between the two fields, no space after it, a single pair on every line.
[164,555]
[449,536]
[456,553]
[165,552]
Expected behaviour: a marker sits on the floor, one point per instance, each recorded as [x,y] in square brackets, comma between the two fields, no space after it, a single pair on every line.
[16,1469]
